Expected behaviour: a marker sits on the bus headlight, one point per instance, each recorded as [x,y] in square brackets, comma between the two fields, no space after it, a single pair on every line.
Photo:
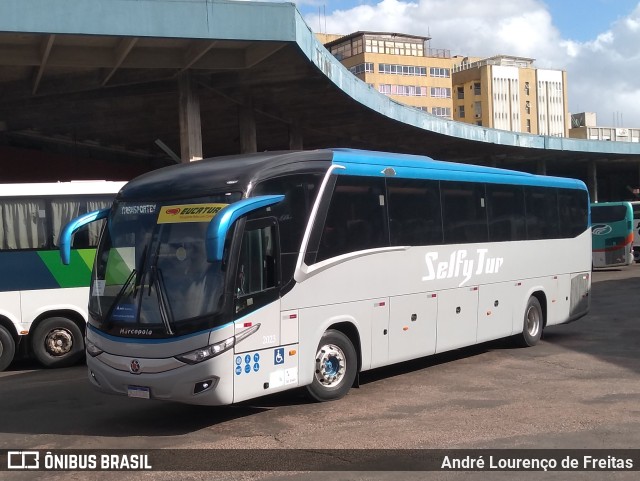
[92,349]
[204,353]
[212,350]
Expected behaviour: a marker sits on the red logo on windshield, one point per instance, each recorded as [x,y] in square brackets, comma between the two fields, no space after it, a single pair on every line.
[174,211]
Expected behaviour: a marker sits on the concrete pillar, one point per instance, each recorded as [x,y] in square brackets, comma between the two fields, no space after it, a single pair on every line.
[247,126]
[189,113]
[592,181]
[295,137]
[541,167]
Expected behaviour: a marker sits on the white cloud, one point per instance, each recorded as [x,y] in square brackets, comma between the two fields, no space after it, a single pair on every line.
[602,74]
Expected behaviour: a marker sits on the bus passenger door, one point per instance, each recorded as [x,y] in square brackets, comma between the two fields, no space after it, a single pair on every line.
[412,326]
[379,332]
[495,311]
[457,318]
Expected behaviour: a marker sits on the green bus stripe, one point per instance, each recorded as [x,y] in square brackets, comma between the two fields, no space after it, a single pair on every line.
[76,274]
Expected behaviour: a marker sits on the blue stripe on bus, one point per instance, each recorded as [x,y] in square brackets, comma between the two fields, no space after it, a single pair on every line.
[135,340]
[24,270]
[417,167]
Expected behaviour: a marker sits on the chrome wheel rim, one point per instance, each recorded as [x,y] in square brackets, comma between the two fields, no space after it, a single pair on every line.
[331,365]
[533,321]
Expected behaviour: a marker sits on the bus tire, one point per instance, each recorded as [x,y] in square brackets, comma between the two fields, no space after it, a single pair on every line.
[532,324]
[336,367]
[58,342]
[7,348]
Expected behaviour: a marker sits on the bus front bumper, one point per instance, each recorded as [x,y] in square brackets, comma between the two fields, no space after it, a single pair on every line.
[190,384]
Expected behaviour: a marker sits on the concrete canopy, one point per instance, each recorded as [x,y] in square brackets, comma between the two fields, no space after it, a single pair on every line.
[102,77]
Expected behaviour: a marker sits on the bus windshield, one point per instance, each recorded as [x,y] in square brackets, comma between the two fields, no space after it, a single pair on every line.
[152,278]
[608,213]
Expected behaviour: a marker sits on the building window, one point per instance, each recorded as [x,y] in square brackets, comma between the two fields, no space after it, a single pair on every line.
[403,90]
[460,93]
[476,88]
[357,46]
[341,51]
[527,107]
[529,125]
[439,72]
[394,48]
[441,112]
[461,111]
[526,88]
[441,92]
[413,70]
[477,110]
[361,68]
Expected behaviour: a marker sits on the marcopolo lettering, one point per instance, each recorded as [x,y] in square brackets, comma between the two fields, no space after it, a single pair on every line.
[136,332]
[460,265]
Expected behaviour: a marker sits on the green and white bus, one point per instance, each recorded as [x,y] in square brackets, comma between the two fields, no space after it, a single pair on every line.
[43,303]
[231,278]
[612,231]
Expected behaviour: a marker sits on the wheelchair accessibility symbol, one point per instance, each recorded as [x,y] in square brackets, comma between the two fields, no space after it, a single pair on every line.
[278,356]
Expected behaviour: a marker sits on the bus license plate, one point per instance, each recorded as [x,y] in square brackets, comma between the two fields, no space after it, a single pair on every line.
[138,391]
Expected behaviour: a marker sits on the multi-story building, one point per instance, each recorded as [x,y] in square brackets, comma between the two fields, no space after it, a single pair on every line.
[584,126]
[500,92]
[508,93]
[400,66]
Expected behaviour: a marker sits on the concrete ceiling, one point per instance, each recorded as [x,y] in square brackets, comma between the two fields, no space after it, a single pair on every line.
[67,90]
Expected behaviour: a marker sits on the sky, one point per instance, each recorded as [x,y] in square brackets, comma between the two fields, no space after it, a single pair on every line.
[597,42]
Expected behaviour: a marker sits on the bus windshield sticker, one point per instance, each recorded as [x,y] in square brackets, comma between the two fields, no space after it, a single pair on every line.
[98,287]
[173,214]
[124,312]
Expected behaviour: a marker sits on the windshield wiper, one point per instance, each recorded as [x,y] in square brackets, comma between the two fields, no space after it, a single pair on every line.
[156,280]
[163,303]
[121,293]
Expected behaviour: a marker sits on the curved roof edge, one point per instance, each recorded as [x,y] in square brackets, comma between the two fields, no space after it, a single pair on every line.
[256,21]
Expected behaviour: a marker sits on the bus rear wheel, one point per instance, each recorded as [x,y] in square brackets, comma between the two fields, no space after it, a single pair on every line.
[533,323]
[335,367]
[58,342]
[7,348]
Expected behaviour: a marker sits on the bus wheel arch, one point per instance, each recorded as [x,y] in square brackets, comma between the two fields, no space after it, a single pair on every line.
[57,338]
[337,363]
[534,320]
[8,342]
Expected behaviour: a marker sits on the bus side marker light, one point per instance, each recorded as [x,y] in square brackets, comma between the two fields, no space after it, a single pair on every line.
[292,352]
[24,333]
[405,328]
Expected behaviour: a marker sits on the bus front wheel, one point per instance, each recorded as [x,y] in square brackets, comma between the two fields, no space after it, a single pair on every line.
[335,367]
[533,323]
[58,342]
[7,348]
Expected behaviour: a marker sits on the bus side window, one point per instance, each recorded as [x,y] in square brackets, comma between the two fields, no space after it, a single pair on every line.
[23,224]
[258,267]
[355,218]
[415,216]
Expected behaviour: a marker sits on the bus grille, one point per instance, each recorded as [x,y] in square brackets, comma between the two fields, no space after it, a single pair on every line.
[579,295]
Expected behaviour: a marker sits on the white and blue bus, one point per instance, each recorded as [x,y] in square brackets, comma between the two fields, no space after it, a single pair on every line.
[231,278]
